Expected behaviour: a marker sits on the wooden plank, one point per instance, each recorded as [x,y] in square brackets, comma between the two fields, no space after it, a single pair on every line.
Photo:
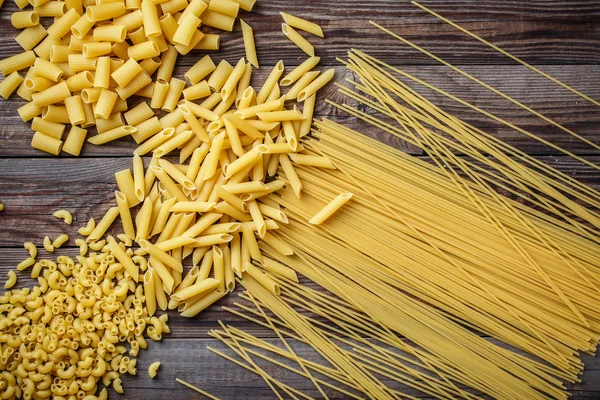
[516,81]
[222,378]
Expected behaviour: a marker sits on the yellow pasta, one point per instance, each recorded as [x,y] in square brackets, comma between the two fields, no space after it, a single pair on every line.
[31,37]
[176,87]
[103,225]
[105,11]
[46,143]
[315,85]
[246,5]
[210,41]
[17,62]
[218,20]
[150,19]
[153,369]
[298,40]
[168,59]
[140,81]
[143,50]
[74,142]
[51,9]
[234,77]
[81,27]
[62,25]
[24,19]
[270,82]
[105,104]
[113,134]
[96,49]
[10,84]
[302,24]
[219,75]
[197,91]
[187,25]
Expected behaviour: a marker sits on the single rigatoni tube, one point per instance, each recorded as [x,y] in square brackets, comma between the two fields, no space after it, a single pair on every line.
[130,21]
[210,41]
[74,141]
[28,111]
[59,53]
[24,19]
[218,20]
[106,11]
[168,59]
[54,94]
[173,6]
[150,18]
[151,64]
[126,72]
[17,62]
[96,49]
[187,25]
[10,84]
[200,70]
[44,47]
[62,25]
[197,91]
[102,75]
[121,50]
[176,87]
[75,110]
[138,114]
[80,81]
[81,27]
[110,33]
[161,88]
[138,83]
[246,5]
[219,76]
[105,104]
[46,143]
[79,62]
[248,35]
[52,129]
[50,9]
[143,50]
[31,37]
[114,121]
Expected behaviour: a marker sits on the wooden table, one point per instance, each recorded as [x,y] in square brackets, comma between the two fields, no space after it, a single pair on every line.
[561,36]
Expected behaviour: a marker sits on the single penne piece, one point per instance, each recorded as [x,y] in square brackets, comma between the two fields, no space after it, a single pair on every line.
[299,71]
[173,143]
[212,160]
[248,36]
[279,116]
[263,279]
[103,225]
[138,177]
[303,82]
[247,160]
[192,206]
[219,268]
[176,174]
[126,220]
[312,161]
[125,260]
[126,186]
[161,270]
[244,83]
[159,291]
[298,40]
[307,110]
[211,240]
[315,85]
[197,288]
[193,122]
[175,242]
[142,220]
[149,294]
[202,224]
[270,82]
[277,268]
[250,240]
[250,112]
[257,217]
[160,255]
[290,173]
[272,212]
[245,127]
[192,309]
[225,227]
[275,148]
[232,199]
[231,83]
[245,187]
[163,216]
[330,208]
[113,134]
[302,24]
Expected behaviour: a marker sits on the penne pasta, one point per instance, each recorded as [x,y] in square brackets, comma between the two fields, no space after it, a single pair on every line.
[302,24]
[248,35]
[298,40]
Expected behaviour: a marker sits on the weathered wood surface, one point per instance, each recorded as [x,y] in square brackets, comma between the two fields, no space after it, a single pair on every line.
[563,36]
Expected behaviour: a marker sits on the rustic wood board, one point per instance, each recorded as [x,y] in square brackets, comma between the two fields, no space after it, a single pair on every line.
[561,36]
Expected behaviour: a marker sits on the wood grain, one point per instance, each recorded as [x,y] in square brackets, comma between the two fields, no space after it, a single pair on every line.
[516,81]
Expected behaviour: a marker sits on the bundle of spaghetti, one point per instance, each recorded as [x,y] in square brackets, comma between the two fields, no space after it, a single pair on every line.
[511,169]
[410,263]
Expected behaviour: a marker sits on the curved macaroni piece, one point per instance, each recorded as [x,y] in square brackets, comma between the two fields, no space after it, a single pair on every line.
[64,215]
[88,228]
[48,245]
[59,241]
[30,247]
[153,369]
[83,246]
[12,279]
